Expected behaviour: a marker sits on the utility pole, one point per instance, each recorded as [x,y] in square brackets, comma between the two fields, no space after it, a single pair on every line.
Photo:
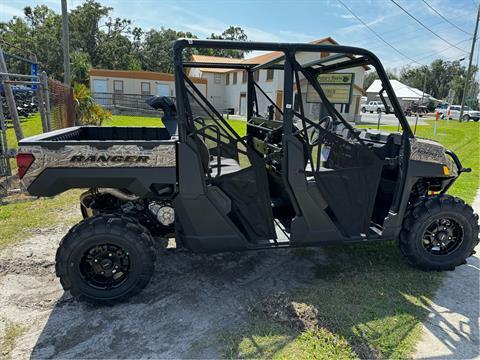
[66,44]
[469,70]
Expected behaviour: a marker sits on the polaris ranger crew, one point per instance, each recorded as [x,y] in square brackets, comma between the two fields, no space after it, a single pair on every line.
[301,176]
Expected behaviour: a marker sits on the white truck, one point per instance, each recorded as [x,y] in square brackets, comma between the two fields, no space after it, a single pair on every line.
[373,106]
[453,112]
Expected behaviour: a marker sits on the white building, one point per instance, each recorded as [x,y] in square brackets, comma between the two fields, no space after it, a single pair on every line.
[227,88]
[131,82]
[405,94]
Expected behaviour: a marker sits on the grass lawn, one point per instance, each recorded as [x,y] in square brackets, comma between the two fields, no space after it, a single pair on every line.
[366,302]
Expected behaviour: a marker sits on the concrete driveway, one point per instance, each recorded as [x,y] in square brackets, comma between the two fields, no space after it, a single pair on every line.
[388,119]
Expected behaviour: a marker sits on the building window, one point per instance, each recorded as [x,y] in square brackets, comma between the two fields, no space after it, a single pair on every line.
[227,79]
[118,86]
[256,76]
[145,88]
[269,74]
[217,78]
[234,78]
[244,77]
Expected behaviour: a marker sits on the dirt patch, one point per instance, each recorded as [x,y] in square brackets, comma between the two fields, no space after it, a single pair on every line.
[190,300]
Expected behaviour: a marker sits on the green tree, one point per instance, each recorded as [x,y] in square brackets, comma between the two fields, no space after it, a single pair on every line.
[80,66]
[440,76]
[39,32]
[234,33]
[103,41]
[156,52]
[108,45]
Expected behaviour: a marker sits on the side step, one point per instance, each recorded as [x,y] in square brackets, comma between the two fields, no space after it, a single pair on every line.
[283,237]
[282,240]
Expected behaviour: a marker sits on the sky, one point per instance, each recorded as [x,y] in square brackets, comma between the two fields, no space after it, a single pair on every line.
[306,20]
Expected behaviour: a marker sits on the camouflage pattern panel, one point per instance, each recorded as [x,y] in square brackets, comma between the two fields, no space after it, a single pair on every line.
[427,150]
[86,156]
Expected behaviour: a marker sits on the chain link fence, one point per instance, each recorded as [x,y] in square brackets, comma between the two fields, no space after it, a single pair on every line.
[62,110]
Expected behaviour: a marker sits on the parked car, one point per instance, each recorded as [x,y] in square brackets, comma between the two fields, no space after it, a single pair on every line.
[453,112]
[372,106]
[441,109]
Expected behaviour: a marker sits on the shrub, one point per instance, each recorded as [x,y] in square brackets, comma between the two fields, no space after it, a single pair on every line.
[87,111]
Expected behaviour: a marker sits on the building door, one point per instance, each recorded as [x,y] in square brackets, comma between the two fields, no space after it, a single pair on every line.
[163,90]
[243,105]
[100,91]
[279,103]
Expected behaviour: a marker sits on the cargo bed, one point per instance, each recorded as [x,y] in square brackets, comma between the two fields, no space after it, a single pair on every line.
[139,159]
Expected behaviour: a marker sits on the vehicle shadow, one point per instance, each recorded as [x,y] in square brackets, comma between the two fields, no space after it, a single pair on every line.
[211,306]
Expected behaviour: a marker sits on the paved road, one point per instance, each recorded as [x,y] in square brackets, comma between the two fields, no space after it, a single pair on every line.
[389,119]
[452,328]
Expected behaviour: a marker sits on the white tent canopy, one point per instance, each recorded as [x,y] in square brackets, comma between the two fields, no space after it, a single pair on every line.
[401,90]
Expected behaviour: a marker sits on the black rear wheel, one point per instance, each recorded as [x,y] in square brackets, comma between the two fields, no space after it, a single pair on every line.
[439,233]
[105,259]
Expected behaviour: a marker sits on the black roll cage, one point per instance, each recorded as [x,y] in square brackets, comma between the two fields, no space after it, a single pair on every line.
[290,67]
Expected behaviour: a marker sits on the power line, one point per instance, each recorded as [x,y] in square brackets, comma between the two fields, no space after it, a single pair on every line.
[378,35]
[444,18]
[401,31]
[396,40]
[430,54]
[425,27]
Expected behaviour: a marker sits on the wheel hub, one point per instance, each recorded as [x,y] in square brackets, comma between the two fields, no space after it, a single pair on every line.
[442,236]
[105,266]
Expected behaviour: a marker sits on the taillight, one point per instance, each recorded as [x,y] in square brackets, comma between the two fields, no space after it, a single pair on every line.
[24,161]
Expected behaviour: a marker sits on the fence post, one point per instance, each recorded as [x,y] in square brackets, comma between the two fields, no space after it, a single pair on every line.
[41,107]
[46,97]
[4,148]
[12,106]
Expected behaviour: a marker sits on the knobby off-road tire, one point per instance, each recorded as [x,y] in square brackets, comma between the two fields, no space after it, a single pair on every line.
[105,259]
[439,220]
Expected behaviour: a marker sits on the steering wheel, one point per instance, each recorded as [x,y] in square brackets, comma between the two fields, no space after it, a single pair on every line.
[326,123]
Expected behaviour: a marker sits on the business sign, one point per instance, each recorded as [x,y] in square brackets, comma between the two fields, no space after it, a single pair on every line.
[336,86]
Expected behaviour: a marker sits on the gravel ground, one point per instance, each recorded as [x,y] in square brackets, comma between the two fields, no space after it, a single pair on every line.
[191,300]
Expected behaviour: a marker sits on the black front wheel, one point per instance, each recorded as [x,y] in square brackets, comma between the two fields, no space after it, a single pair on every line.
[105,259]
[439,233]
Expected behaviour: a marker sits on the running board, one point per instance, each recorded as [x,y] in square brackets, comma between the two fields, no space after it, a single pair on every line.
[282,240]
[283,237]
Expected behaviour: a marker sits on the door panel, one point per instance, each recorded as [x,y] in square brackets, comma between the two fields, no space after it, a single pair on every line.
[243,104]
[100,90]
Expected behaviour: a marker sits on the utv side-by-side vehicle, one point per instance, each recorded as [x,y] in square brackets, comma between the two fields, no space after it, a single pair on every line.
[296,175]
